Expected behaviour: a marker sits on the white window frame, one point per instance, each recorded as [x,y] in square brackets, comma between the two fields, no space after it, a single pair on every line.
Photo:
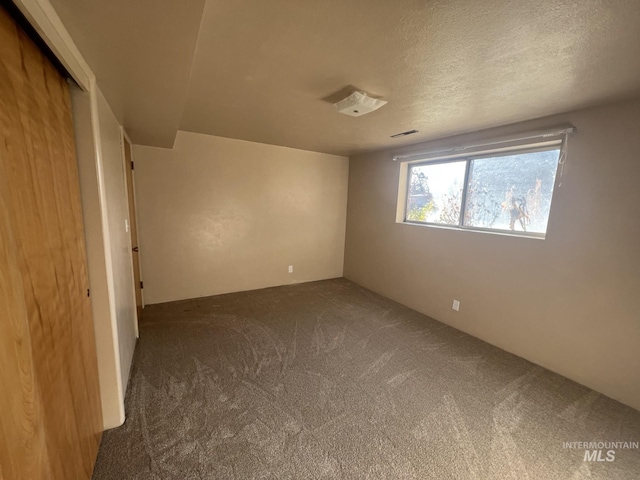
[558,143]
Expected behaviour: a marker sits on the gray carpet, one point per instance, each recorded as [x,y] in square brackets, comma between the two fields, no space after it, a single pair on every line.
[329,380]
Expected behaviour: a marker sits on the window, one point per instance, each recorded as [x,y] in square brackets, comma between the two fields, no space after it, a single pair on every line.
[507,192]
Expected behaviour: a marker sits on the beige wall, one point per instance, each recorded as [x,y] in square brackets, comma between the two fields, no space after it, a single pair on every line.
[570,303]
[217,215]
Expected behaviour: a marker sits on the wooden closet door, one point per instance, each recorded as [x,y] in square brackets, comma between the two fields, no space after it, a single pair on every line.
[50,416]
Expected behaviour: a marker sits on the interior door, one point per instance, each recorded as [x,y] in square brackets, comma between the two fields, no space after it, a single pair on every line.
[50,414]
[137,281]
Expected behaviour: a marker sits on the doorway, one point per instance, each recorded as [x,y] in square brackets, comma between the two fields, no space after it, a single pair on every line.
[133,230]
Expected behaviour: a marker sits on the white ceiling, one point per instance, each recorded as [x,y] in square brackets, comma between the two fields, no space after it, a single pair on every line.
[267,71]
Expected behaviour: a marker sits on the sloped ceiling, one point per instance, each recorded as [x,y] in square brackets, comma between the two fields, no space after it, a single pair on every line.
[267,71]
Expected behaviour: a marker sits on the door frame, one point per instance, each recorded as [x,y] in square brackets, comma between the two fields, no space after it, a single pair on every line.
[125,137]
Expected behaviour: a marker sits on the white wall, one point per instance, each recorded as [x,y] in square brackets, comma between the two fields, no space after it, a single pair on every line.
[218,215]
[98,261]
[105,209]
[115,194]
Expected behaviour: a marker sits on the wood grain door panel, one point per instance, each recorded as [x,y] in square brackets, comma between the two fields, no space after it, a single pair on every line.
[50,417]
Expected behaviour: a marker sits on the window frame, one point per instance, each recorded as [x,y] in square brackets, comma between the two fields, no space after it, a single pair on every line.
[546,147]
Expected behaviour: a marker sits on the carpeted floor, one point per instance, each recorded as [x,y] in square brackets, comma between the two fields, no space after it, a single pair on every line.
[329,380]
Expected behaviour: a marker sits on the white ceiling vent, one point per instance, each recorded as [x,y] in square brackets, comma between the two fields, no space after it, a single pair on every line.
[358,104]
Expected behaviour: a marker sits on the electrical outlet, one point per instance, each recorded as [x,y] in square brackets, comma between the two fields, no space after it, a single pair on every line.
[290,268]
[456,305]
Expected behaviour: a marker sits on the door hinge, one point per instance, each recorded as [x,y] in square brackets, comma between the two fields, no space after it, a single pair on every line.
[88,292]
[132,165]
[141,285]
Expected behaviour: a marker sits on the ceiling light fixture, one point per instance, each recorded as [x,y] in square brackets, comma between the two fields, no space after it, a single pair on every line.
[358,104]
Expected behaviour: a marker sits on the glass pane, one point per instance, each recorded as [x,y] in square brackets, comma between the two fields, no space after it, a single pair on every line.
[435,193]
[512,192]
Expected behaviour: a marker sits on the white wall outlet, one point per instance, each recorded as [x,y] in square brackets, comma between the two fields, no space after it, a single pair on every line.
[126,225]
[456,305]
[290,268]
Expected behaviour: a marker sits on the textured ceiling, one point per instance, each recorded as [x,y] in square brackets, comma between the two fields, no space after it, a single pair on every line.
[264,70]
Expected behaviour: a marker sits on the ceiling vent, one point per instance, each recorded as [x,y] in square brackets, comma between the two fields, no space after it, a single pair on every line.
[358,104]
[404,134]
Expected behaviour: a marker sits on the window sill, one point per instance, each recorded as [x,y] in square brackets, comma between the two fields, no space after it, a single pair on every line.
[502,233]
